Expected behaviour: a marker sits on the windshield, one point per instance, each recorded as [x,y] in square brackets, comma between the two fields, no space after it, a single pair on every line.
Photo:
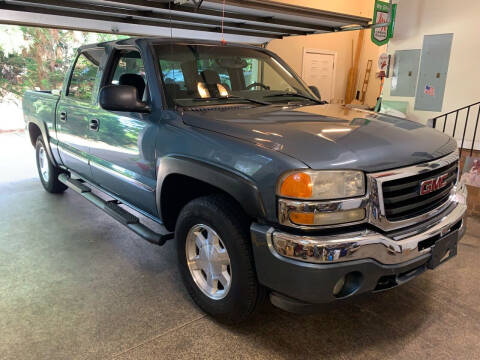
[204,74]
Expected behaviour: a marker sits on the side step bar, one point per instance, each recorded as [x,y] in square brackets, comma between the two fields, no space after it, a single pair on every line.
[113,209]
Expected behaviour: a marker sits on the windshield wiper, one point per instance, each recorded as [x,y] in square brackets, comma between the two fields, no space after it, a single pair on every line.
[233,97]
[287,94]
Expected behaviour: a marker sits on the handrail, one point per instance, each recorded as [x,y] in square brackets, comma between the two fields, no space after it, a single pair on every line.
[467,118]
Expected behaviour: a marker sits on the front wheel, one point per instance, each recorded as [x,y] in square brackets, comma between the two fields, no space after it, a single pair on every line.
[47,172]
[215,258]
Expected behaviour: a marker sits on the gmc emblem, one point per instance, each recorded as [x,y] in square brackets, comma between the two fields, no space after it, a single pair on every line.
[430,185]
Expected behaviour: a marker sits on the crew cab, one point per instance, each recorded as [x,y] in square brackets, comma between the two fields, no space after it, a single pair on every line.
[265,189]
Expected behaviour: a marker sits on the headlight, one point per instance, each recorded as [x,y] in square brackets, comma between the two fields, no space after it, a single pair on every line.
[322,185]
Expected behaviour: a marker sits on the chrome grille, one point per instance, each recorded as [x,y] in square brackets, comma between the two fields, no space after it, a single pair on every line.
[402,199]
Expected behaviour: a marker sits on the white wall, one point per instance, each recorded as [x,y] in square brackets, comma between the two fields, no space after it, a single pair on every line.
[416,18]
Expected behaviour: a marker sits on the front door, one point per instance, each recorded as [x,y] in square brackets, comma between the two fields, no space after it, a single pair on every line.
[73,112]
[123,152]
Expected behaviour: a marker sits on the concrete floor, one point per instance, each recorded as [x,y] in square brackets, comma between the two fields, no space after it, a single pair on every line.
[74,284]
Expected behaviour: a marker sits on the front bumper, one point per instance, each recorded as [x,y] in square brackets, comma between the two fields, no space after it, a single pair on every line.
[307,268]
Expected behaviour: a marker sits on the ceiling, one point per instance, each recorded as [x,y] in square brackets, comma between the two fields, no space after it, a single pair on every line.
[243,20]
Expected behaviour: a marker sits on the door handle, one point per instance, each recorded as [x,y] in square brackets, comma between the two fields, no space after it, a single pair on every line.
[63,116]
[94,125]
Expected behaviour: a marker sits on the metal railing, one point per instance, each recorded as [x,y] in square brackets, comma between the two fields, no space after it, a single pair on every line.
[469,110]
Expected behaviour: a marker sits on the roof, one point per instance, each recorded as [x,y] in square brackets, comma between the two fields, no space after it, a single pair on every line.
[260,19]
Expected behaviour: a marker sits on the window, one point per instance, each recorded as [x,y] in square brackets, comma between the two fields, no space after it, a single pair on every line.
[84,75]
[128,63]
[199,74]
[130,70]
[172,73]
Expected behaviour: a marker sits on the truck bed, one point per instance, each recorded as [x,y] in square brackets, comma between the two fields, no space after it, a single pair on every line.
[40,106]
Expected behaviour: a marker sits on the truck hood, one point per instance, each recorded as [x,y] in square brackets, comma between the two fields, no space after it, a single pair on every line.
[329,136]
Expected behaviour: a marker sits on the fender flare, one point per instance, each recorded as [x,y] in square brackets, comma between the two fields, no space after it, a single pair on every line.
[46,138]
[237,185]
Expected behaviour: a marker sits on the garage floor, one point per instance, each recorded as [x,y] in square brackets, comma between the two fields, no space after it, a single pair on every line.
[74,284]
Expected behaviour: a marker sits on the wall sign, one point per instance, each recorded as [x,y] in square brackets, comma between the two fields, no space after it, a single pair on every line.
[381,35]
[383,62]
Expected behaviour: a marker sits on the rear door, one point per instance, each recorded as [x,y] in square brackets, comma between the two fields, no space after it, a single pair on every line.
[123,153]
[74,111]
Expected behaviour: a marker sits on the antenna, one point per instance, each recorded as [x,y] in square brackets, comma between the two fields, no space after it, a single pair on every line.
[223,18]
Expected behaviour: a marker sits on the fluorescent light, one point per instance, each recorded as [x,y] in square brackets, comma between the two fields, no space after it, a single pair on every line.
[336,130]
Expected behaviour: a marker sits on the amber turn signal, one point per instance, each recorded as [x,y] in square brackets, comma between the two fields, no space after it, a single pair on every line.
[297,185]
[302,218]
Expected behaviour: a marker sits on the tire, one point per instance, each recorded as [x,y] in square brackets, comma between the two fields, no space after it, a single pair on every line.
[222,215]
[47,172]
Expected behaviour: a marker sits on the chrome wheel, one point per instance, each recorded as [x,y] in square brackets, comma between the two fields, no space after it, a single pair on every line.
[43,162]
[208,261]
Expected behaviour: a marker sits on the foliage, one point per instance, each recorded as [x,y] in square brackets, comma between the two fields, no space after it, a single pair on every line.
[42,57]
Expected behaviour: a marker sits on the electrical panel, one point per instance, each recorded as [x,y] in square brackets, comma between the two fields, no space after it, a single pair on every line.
[433,72]
[405,72]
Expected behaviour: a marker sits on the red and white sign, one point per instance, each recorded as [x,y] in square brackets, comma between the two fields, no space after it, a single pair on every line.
[383,62]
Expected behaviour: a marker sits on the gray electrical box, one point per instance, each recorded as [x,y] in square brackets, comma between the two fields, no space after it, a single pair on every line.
[405,72]
[433,72]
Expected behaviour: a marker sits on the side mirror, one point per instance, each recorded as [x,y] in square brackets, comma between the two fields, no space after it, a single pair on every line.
[315,91]
[121,98]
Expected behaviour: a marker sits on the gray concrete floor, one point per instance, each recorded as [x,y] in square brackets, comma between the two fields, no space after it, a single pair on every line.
[74,284]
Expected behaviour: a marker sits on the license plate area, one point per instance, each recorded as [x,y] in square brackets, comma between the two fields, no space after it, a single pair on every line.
[443,249]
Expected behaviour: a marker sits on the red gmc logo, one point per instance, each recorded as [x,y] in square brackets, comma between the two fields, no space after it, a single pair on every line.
[427,186]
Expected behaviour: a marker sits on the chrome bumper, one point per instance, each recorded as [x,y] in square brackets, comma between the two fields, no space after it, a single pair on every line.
[391,248]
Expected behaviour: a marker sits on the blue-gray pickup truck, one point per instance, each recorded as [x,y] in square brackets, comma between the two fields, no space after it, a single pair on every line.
[267,190]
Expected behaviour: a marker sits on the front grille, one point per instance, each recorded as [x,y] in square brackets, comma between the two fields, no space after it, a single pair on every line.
[402,199]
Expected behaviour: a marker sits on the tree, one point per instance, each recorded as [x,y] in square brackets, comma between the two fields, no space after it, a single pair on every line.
[41,58]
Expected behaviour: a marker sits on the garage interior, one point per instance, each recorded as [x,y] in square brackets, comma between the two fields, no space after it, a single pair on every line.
[75,285]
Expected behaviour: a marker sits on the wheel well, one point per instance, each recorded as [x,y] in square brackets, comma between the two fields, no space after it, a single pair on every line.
[34,132]
[178,190]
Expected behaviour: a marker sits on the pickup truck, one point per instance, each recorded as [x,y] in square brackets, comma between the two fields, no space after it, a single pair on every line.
[268,192]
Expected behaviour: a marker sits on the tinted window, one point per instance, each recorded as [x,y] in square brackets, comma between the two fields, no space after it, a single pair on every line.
[172,73]
[128,63]
[82,82]
[220,74]
[129,70]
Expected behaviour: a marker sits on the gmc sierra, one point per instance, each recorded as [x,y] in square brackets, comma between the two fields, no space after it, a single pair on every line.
[266,189]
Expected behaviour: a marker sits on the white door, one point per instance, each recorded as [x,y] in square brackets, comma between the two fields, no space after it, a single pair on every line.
[319,70]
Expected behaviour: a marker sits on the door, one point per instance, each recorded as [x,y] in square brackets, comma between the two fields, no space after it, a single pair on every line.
[123,151]
[319,70]
[73,112]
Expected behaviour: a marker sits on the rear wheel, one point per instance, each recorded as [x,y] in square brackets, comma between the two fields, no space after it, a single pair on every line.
[215,258]
[47,172]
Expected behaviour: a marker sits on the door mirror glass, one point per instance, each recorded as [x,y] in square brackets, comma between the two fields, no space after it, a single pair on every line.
[121,98]
[315,91]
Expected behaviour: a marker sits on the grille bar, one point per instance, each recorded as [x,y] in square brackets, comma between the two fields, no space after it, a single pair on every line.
[402,199]
[419,204]
[412,194]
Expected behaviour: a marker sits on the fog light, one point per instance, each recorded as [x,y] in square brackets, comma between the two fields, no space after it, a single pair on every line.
[347,284]
[339,286]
